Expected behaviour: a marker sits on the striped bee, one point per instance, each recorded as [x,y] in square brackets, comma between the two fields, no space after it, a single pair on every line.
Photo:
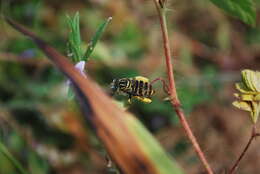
[137,87]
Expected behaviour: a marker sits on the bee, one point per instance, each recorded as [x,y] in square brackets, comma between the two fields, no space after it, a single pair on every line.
[136,87]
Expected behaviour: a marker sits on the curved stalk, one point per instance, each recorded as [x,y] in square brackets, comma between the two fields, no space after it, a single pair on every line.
[160,6]
[253,136]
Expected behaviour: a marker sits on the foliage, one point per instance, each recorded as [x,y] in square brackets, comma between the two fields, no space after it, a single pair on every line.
[94,103]
[249,96]
[95,38]
[74,43]
[33,94]
[243,9]
[6,153]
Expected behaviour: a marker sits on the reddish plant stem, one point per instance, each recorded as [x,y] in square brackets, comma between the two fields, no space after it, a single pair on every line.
[253,135]
[192,138]
[172,89]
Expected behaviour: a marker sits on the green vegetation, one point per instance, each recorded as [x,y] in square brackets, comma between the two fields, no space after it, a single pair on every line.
[42,130]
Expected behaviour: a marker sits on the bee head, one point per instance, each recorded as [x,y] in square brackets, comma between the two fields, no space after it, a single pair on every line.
[114,85]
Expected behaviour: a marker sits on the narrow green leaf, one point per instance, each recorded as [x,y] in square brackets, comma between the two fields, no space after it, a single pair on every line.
[243,9]
[74,43]
[165,165]
[4,150]
[95,38]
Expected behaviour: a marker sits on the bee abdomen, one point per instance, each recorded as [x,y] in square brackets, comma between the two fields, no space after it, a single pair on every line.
[150,90]
[135,87]
[141,88]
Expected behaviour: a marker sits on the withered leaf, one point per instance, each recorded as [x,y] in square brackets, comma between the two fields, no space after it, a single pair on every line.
[130,145]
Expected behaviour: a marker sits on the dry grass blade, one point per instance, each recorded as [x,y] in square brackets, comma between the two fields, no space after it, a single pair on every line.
[130,145]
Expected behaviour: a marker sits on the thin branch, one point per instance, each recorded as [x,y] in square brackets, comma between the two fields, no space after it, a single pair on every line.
[254,134]
[160,6]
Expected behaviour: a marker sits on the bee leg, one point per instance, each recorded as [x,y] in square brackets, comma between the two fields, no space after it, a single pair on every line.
[146,100]
[165,86]
[129,99]
[167,99]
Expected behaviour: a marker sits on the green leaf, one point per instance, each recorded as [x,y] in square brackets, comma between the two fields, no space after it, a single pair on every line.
[257,97]
[250,106]
[95,38]
[12,159]
[243,9]
[242,105]
[249,96]
[251,80]
[37,164]
[241,87]
[74,43]
[154,151]
[255,111]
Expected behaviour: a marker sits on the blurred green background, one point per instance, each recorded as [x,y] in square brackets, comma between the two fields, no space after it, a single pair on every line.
[43,128]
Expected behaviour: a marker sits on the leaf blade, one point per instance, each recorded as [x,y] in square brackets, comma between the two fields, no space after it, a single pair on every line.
[10,157]
[95,38]
[74,43]
[111,122]
[243,9]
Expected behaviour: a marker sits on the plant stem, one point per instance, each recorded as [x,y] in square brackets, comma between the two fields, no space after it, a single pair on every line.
[253,135]
[4,150]
[172,89]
